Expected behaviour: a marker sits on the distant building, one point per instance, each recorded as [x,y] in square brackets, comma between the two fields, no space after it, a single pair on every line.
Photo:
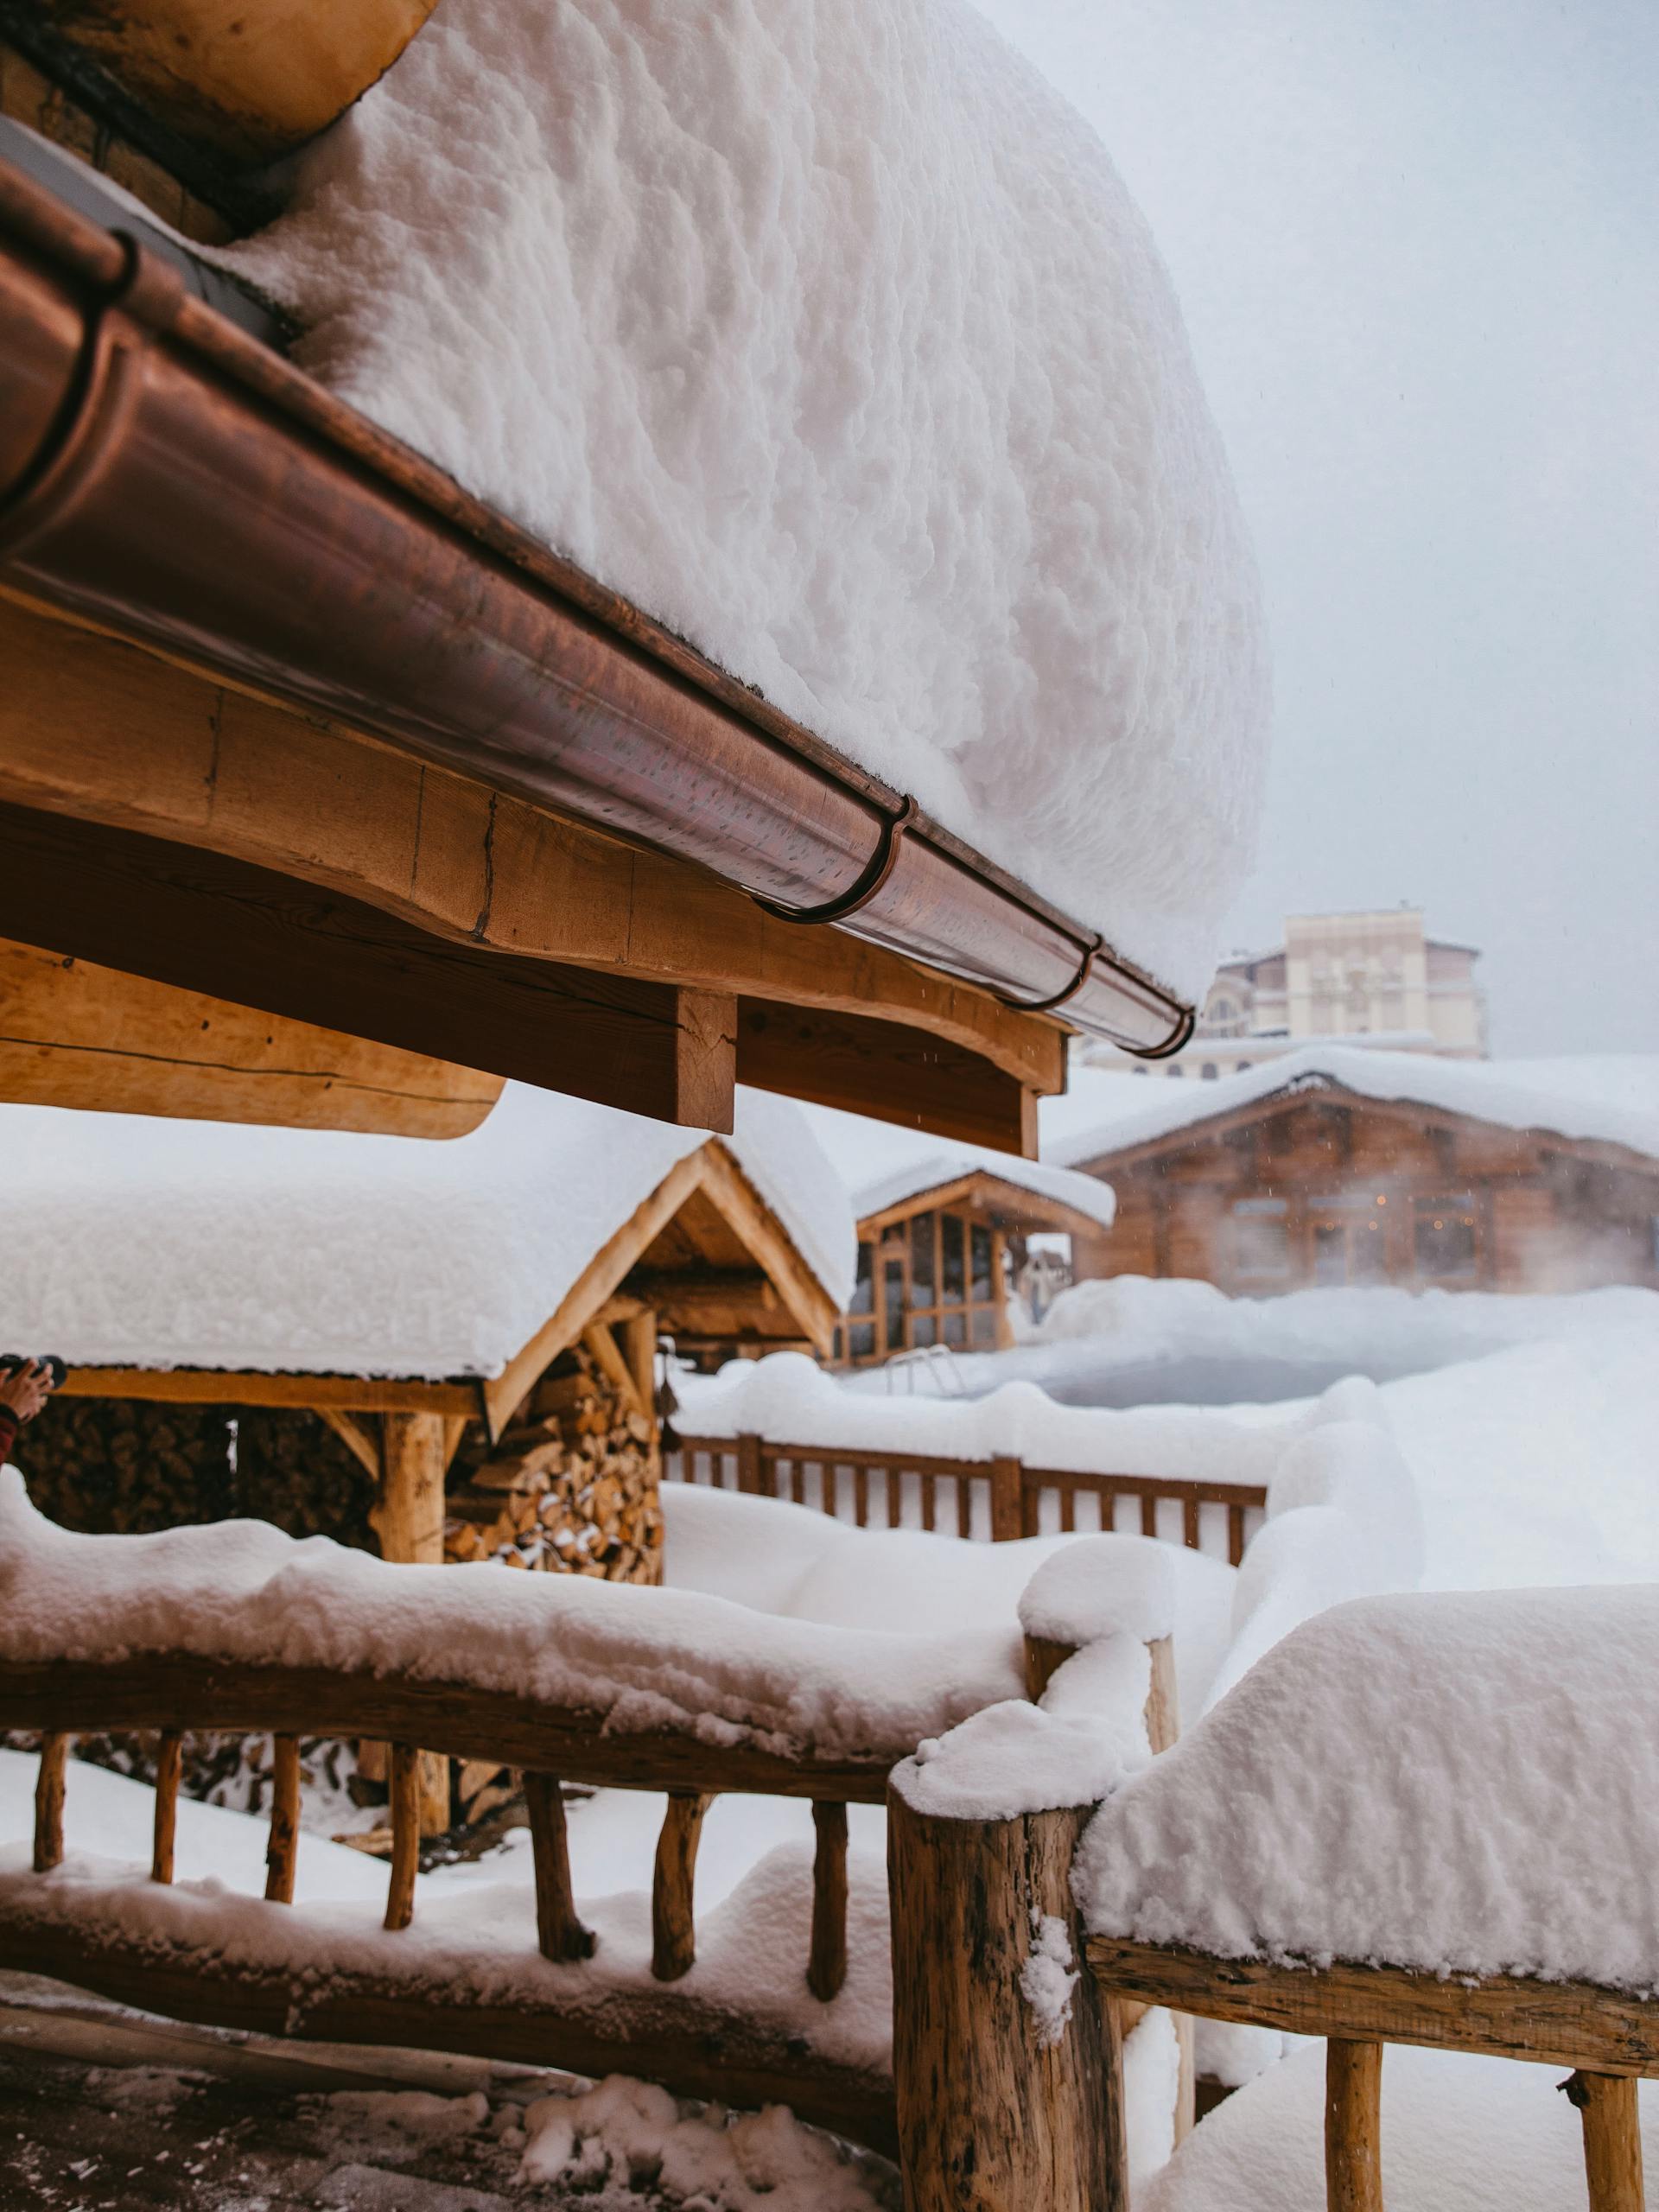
[1375,976]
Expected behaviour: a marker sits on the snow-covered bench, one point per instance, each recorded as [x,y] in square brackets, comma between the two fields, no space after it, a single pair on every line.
[236,1627]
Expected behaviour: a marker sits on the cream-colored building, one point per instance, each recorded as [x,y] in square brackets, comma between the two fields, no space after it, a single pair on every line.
[1373,975]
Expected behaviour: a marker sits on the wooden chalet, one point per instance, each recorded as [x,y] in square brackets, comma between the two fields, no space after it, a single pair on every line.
[327,796]
[1336,1165]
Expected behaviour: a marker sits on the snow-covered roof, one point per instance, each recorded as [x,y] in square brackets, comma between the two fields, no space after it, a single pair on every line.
[1610,1097]
[832,340]
[883,1165]
[130,1241]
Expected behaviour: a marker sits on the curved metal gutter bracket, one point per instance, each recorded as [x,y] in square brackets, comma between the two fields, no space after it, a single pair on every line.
[1048,1006]
[880,867]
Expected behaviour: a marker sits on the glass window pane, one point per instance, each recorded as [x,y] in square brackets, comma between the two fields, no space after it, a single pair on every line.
[985,1328]
[1445,1238]
[863,1298]
[981,1245]
[922,1243]
[955,1327]
[893,1302]
[953,1272]
[921,1328]
[1261,1237]
[861,1340]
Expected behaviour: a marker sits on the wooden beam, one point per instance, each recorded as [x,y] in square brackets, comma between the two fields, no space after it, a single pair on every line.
[1554,2023]
[253,83]
[110,733]
[186,917]
[608,1354]
[685,1300]
[74,1034]
[209,1386]
[365,1448]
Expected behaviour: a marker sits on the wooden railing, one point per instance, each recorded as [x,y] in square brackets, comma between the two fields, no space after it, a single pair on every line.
[998,1498]
[172,1692]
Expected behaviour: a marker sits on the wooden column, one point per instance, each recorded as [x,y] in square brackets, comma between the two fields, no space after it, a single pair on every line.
[407,1515]
[1007,1501]
[1612,2139]
[991,2117]
[1353,2094]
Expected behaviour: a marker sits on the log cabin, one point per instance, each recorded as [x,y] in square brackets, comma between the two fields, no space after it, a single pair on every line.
[1336,1165]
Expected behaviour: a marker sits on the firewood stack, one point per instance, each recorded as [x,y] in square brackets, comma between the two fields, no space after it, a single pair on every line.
[124,1466]
[570,1487]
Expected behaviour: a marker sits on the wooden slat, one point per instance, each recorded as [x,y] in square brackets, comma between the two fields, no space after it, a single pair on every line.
[404,1785]
[1189,1523]
[281,1851]
[169,1766]
[964,1504]
[861,1495]
[1353,2121]
[1553,2024]
[559,1931]
[927,1482]
[826,1971]
[48,1803]
[673,1922]
[159,1691]
[1234,1534]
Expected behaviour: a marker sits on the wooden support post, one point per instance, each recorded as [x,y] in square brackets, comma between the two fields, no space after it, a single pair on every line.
[407,1517]
[405,1786]
[561,1933]
[994,2114]
[169,1765]
[826,1972]
[1007,1501]
[748,1466]
[1353,2108]
[639,1350]
[1163,1707]
[281,1851]
[673,1926]
[48,1803]
[1612,2139]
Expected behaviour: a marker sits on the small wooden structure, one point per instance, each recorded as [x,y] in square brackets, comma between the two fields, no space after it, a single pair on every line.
[1339,1166]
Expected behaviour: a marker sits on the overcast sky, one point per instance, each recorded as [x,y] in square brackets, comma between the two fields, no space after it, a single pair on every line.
[1417,242]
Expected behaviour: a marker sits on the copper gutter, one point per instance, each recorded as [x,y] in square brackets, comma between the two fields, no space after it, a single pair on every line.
[165,474]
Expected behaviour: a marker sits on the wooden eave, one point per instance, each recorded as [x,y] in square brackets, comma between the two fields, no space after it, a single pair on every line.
[1330,1092]
[991,1195]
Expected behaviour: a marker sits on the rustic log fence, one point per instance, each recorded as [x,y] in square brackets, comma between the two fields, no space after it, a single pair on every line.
[997,1498]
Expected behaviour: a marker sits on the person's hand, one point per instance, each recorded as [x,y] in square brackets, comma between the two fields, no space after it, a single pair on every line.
[25,1388]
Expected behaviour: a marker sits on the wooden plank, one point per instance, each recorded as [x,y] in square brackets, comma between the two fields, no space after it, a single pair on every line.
[559,1931]
[673,1920]
[76,1034]
[203,1386]
[1353,2126]
[694,2052]
[169,1766]
[281,1851]
[163,1690]
[184,916]
[826,1968]
[94,726]
[48,1803]
[1613,2140]
[1553,2024]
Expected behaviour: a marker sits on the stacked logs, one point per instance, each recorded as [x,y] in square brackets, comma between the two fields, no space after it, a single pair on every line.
[569,1487]
[124,1466]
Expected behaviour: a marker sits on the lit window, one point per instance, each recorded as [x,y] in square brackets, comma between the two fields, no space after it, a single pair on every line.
[1444,1236]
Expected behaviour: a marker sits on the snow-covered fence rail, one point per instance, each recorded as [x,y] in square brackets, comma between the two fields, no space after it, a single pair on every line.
[1001,1498]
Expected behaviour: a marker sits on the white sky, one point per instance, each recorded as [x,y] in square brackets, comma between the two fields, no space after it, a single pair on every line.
[1417,242]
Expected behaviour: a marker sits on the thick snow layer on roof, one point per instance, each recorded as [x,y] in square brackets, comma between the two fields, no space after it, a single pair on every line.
[883,1165]
[132,1242]
[1609,1097]
[829,336]
[1444,1782]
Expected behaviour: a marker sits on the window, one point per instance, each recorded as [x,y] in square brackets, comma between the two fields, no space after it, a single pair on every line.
[863,1298]
[1261,1237]
[923,1244]
[1209,1072]
[984,1285]
[1444,1237]
[954,1273]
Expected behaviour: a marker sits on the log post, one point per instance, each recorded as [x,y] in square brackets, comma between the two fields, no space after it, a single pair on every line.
[673,1926]
[561,1933]
[1353,2110]
[826,1971]
[407,1517]
[1163,1709]
[282,1851]
[48,1803]
[405,1785]
[994,2116]
[169,1765]
[1007,1501]
[1612,2139]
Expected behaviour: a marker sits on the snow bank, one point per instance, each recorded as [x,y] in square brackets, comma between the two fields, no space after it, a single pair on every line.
[645,1659]
[829,337]
[1459,2134]
[133,1242]
[1611,1097]
[1447,1783]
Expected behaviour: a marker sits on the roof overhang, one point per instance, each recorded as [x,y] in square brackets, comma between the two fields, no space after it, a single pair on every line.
[1005,1203]
[172,480]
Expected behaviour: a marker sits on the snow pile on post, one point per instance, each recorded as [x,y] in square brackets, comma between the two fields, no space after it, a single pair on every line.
[139,1242]
[1457,1784]
[829,337]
